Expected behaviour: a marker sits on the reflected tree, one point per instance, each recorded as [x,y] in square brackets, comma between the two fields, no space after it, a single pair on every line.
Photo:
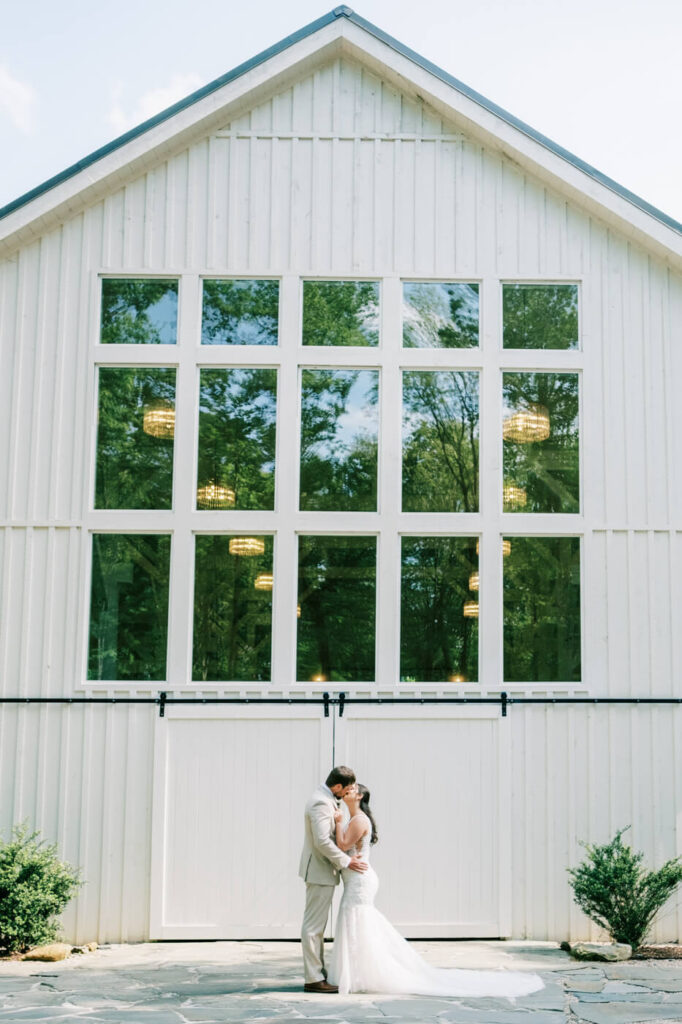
[548,471]
[437,642]
[440,441]
[134,467]
[237,435]
[340,313]
[439,315]
[540,316]
[240,312]
[542,610]
[337,597]
[129,606]
[232,616]
[339,440]
[139,312]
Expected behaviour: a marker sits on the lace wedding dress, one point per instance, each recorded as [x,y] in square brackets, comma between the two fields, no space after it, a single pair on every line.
[369,955]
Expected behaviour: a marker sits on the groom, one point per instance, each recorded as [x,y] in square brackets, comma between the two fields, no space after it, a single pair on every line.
[320,868]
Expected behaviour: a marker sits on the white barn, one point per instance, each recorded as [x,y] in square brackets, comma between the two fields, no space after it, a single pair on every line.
[337,378]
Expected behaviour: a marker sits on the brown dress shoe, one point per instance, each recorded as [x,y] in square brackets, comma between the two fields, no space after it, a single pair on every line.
[320,986]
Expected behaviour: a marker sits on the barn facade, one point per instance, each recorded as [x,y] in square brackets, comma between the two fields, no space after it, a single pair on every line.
[334,379]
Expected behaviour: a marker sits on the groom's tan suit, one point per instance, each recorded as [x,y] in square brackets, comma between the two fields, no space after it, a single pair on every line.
[320,868]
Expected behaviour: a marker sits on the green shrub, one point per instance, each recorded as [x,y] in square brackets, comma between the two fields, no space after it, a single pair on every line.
[35,886]
[616,892]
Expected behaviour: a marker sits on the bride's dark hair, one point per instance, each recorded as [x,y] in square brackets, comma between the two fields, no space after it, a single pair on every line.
[365,808]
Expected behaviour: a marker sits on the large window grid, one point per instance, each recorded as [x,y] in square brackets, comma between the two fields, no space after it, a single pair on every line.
[184,521]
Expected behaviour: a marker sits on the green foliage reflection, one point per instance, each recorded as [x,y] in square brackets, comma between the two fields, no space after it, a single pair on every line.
[439,315]
[237,425]
[440,441]
[337,597]
[139,312]
[135,433]
[542,610]
[547,472]
[232,616]
[129,606]
[339,440]
[438,643]
[540,315]
[239,313]
[340,313]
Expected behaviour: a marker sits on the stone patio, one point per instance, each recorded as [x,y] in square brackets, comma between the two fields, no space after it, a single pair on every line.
[184,983]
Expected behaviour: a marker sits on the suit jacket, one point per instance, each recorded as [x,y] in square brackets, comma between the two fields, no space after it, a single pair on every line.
[321,859]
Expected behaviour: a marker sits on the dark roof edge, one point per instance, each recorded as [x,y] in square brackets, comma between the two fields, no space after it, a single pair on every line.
[176,108]
[515,122]
[308,30]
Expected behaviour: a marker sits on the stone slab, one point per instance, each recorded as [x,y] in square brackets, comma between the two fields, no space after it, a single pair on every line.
[626,1013]
[411,1005]
[467,1015]
[137,1017]
[585,984]
[635,971]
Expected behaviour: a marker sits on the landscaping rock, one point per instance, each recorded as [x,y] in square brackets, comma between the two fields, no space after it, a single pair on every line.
[56,951]
[601,951]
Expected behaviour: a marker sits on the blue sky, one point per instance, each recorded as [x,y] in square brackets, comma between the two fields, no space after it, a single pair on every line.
[601,77]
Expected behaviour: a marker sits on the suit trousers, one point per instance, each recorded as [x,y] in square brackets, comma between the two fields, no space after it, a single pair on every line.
[318,900]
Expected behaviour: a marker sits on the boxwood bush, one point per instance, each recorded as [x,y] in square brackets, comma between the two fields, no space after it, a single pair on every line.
[35,886]
[616,891]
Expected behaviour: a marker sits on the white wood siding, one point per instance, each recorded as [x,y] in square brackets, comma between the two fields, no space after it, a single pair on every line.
[343,176]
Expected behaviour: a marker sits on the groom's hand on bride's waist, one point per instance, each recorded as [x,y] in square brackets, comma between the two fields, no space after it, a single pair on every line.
[356,864]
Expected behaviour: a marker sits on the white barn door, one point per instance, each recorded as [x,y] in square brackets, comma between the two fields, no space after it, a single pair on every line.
[440,784]
[230,783]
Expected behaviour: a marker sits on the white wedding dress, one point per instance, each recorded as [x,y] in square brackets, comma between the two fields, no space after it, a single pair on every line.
[369,955]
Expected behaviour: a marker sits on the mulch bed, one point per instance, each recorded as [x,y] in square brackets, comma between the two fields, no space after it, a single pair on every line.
[671,951]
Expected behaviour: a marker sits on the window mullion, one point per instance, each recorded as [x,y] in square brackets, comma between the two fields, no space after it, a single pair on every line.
[285,556]
[184,489]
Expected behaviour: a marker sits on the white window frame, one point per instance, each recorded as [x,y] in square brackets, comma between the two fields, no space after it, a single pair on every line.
[286,522]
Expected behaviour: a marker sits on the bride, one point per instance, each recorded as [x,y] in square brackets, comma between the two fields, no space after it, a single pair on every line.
[370,955]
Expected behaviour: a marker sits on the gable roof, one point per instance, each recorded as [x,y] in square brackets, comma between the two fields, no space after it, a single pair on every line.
[17,216]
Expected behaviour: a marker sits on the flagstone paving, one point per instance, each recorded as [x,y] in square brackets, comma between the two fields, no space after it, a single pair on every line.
[257,982]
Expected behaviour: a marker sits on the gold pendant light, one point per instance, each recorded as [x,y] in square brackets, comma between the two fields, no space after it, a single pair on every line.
[246,546]
[513,497]
[159,420]
[527,425]
[215,496]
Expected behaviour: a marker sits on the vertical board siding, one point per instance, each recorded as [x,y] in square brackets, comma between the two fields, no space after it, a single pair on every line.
[342,175]
[96,807]
[577,775]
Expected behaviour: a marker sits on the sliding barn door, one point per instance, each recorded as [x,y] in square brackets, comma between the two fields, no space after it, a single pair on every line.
[230,784]
[440,785]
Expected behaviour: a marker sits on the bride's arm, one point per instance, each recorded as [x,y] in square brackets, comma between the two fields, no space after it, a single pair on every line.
[349,837]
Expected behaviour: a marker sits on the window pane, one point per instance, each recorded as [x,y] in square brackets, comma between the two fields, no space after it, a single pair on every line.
[540,315]
[339,440]
[440,441]
[541,442]
[232,608]
[439,610]
[337,600]
[440,315]
[138,312]
[129,606]
[542,610]
[340,312]
[239,313]
[135,431]
[237,425]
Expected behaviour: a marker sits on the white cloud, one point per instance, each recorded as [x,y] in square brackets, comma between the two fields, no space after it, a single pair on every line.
[16,101]
[151,102]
